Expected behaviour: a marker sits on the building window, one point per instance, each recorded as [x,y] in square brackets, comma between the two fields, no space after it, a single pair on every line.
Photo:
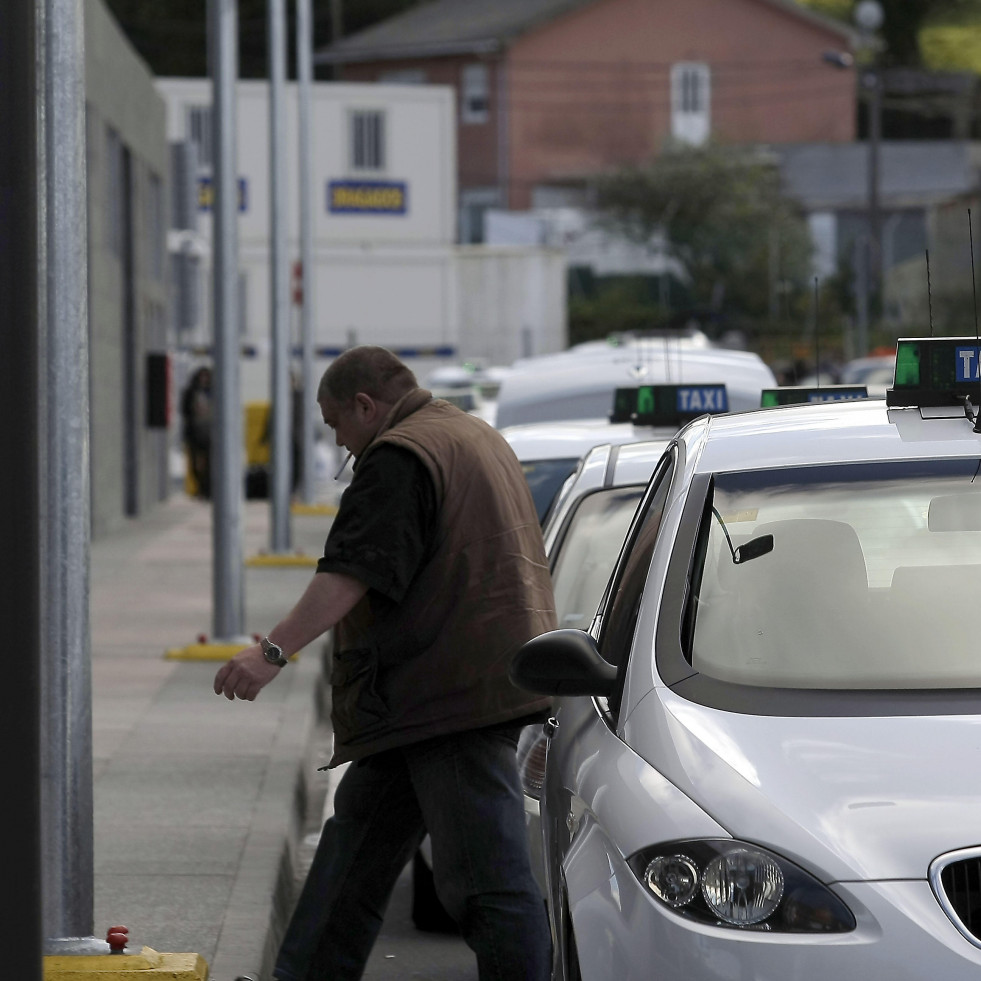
[199,132]
[367,139]
[690,102]
[475,94]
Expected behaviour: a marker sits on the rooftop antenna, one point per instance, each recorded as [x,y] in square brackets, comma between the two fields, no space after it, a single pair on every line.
[974,289]
[970,231]
[817,339]
[930,292]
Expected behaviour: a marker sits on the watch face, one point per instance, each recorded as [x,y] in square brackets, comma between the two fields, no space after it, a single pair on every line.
[273,652]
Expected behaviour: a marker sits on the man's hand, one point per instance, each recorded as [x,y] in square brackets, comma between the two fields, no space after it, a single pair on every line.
[245,675]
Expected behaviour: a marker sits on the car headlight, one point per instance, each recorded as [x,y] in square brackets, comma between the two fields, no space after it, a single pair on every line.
[737,884]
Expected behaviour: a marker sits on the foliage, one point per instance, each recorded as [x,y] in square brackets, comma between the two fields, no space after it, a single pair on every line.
[940,34]
[603,305]
[742,241]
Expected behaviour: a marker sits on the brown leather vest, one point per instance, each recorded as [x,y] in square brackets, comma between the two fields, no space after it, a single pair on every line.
[438,662]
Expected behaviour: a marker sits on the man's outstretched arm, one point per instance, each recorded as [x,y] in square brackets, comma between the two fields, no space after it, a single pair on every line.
[328,598]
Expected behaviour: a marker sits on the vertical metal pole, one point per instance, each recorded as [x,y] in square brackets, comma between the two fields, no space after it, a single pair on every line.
[304,64]
[21,271]
[279,272]
[66,791]
[874,270]
[226,479]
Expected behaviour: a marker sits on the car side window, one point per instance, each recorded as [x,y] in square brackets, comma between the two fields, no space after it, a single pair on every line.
[627,587]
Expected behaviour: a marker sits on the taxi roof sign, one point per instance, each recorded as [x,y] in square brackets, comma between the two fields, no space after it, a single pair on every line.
[801,394]
[667,405]
[936,371]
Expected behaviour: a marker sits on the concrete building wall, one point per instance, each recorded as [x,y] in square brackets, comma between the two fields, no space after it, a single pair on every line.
[127,172]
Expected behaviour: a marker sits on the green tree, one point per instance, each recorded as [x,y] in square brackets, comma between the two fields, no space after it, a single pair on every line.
[743,243]
[903,22]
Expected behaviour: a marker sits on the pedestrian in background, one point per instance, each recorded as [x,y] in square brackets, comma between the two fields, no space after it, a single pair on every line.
[196,425]
[434,574]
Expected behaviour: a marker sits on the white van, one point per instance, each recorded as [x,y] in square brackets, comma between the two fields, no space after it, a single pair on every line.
[580,384]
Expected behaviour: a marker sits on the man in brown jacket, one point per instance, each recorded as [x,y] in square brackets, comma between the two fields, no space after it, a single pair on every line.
[433,574]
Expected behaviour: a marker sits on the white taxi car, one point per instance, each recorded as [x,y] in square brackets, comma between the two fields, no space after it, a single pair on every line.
[763,757]
[550,452]
[583,535]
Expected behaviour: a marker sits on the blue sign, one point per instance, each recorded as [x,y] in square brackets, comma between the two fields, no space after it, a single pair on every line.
[206,194]
[367,197]
[966,364]
[702,398]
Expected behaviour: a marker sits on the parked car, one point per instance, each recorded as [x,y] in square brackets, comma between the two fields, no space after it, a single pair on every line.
[581,384]
[761,762]
[583,536]
[550,452]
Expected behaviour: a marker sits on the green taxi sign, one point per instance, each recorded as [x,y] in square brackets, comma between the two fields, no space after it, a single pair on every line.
[801,394]
[667,405]
[936,371]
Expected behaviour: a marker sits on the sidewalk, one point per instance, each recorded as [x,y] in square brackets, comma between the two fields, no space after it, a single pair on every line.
[200,803]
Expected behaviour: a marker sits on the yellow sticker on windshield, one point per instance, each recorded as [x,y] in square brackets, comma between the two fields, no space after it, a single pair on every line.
[747,514]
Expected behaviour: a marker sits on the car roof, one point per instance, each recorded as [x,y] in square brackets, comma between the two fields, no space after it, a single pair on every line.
[607,465]
[828,432]
[570,438]
[583,387]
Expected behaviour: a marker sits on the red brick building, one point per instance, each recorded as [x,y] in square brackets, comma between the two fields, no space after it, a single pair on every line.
[553,91]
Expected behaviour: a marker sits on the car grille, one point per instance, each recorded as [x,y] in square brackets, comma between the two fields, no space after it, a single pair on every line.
[956,880]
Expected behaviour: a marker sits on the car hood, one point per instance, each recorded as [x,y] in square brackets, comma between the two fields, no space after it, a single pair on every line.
[856,798]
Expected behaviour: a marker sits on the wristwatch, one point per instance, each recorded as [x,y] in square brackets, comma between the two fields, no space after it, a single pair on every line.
[273,652]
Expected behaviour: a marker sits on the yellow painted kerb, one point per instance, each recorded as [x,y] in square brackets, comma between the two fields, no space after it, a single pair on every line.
[204,652]
[300,508]
[281,559]
[126,967]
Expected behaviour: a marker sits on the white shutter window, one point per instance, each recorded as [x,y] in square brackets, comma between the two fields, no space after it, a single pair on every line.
[367,134]
[691,97]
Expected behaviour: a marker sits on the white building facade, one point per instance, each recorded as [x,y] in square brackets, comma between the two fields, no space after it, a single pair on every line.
[387,269]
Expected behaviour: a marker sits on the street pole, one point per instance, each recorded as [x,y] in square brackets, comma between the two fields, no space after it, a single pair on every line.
[226,483]
[22,271]
[869,16]
[279,273]
[304,70]
[66,746]
[874,275]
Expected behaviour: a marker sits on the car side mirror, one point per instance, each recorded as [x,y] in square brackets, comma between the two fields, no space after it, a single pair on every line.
[563,662]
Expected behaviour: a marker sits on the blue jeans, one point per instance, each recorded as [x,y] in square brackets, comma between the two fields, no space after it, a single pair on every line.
[464,789]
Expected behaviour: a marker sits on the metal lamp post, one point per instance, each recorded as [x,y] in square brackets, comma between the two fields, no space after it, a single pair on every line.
[869,17]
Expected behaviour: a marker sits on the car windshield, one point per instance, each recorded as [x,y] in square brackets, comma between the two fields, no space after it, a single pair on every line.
[587,552]
[545,478]
[871,581]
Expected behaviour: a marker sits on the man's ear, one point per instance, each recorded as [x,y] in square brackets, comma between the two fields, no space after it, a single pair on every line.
[365,406]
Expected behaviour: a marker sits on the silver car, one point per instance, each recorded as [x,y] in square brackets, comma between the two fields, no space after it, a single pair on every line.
[763,757]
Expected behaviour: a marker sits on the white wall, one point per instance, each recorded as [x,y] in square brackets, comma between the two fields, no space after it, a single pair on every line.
[512,302]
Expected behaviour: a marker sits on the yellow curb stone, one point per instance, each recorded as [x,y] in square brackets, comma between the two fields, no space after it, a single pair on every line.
[126,967]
